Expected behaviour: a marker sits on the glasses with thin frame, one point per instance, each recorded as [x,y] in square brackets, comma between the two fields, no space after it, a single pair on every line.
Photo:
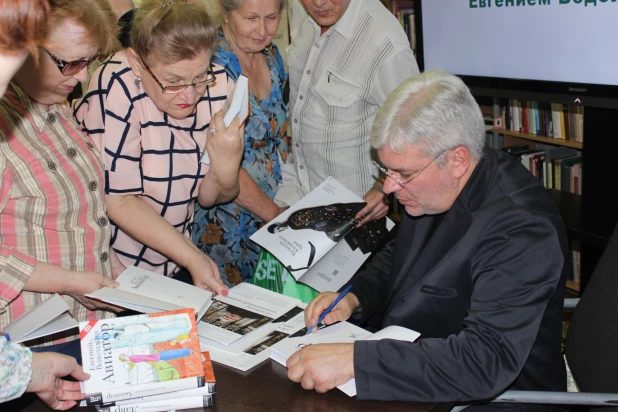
[173,89]
[72,67]
[401,182]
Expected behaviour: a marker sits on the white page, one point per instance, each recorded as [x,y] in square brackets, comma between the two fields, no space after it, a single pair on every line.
[258,348]
[246,309]
[44,314]
[390,332]
[140,289]
[342,332]
[293,247]
[236,105]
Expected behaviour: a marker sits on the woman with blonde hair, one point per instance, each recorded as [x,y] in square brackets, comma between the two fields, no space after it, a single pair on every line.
[245,47]
[151,110]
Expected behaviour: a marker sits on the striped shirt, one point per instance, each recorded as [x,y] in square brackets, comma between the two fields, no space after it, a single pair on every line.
[146,152]
[338,81]
[51,202]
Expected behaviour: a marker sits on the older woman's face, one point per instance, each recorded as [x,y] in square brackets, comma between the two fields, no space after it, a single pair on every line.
[254,24]
[178,105]
[46,84]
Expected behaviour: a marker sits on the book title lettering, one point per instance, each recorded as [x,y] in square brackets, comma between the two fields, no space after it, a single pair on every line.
[292,247]
[138,281]
[100,352]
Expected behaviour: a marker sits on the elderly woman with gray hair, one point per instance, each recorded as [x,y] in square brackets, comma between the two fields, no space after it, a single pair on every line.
[245,47]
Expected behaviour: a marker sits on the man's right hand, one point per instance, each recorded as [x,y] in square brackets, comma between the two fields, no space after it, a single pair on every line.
[341,312]
[88,282]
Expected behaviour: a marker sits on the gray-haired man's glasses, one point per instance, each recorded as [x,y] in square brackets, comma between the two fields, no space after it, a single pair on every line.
[401,182]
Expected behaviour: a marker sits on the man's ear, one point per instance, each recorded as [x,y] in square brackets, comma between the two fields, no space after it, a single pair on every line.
[135,63]
[460,161]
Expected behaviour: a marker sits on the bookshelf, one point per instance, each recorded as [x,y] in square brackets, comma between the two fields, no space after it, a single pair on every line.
[591,216]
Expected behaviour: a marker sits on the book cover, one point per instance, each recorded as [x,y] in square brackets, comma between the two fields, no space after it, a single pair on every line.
[148,292]
[142,355]
[307,237]
[49,317]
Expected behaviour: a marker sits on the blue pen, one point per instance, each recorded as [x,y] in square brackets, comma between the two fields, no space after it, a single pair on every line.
[328,309]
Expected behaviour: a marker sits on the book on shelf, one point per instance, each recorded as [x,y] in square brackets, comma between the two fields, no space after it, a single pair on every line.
[148,292]
[47,318]
[342,332]
[316,239]
[186,399]
[142,355]
[559,121]
[232,319]
[248,353]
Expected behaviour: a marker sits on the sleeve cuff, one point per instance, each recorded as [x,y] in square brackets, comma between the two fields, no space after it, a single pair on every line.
[126,182]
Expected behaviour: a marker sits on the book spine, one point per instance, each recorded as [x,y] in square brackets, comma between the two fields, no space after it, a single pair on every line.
[188,402]
[202,391]
[138,391]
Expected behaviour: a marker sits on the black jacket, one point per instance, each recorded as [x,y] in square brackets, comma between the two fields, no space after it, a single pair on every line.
[483,283]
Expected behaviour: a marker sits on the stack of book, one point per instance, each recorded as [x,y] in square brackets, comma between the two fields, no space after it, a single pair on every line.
[146,363]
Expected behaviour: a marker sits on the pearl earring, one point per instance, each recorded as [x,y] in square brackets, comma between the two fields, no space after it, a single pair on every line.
[138,82]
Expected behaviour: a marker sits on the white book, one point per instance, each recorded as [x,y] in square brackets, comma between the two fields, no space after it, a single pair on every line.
[257,349]
[49,317]
[186,402]
[143,355]
[148,292]
[246,309]
[316,239]
[236,105]
[342,332]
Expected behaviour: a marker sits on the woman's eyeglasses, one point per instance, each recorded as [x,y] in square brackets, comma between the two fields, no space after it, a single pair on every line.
[73,67]
[172,89]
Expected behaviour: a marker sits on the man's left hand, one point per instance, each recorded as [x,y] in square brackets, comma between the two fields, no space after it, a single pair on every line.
[322,367]
[376,208]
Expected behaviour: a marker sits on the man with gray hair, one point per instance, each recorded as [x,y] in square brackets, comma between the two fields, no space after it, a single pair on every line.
[478,266]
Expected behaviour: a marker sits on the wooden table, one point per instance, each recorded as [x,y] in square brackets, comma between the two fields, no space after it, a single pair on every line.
[266,388]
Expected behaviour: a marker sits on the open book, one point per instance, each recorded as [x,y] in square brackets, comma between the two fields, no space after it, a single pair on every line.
[342,332]
[148,292]
[236,105]
[246,309]
[317,240]
[143,355]
[49,317]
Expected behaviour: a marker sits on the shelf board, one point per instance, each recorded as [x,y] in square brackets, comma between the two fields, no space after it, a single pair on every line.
[541,139]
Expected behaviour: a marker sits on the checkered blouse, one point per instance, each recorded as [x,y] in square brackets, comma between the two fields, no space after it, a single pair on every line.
[146,152]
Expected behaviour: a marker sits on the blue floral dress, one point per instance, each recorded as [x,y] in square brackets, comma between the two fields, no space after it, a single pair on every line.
[222,232]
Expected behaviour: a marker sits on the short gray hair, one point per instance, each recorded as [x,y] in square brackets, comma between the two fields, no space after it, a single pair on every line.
[228,6]
[434,111]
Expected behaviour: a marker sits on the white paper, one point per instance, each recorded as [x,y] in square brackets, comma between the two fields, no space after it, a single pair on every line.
[49,317]
[149,292]
[342,332]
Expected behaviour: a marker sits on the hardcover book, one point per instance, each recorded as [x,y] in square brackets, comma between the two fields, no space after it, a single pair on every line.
[148,292]
[317,239]
[143,355]
[49,317]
